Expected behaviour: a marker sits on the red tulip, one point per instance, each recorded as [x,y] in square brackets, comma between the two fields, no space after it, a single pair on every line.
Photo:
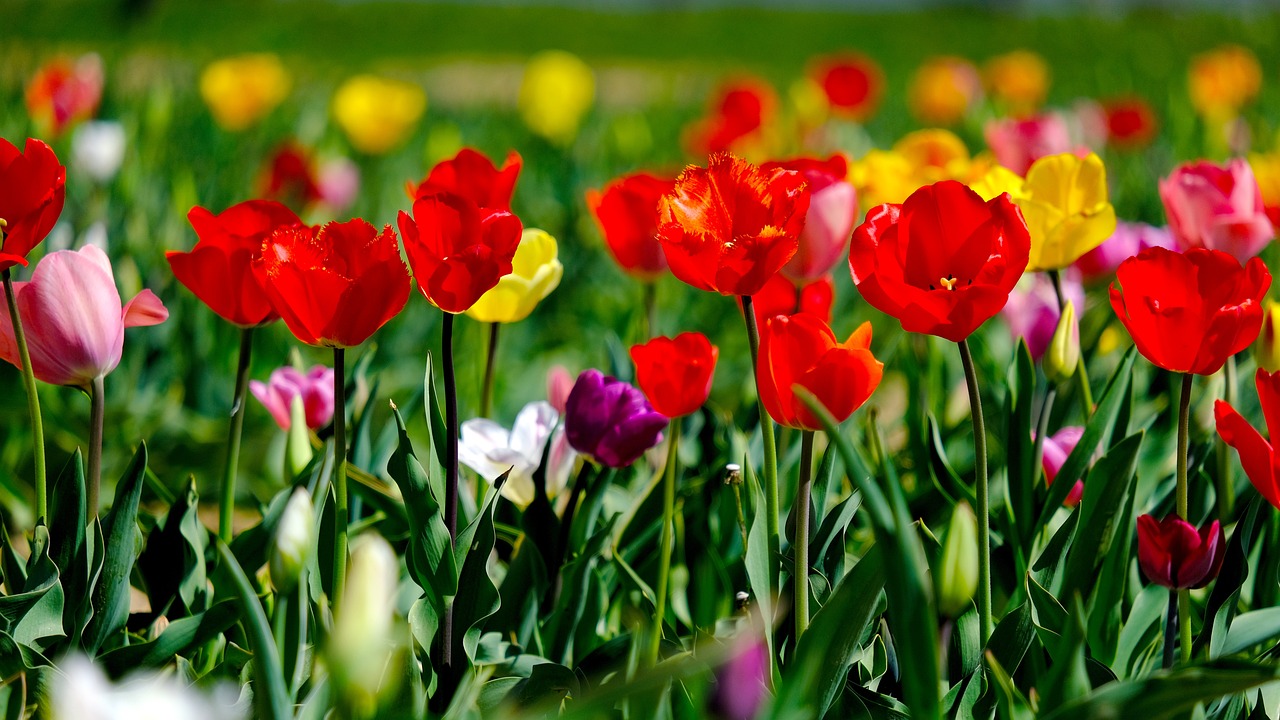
[852,84]
[833,209]
[474,177]
[290,176]
[1188,312]
[65,91]
[1172,553]
[780,296]
[944,261]
[675,374]
[1257,455]
[458,250]
[1131,123]
[740,109]
[219,269]
[627,212]
[32,191]
[731,226]
[334,285]
[802,350]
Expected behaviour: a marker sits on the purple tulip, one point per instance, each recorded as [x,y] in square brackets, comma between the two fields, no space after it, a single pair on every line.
[740,683]
[1032,310]
[1129,239]
[315,388]
[610,420]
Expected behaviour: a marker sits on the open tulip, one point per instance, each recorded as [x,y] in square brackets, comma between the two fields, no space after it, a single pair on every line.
[473,176]
[1017,143]
[1217,207]
[852,84]
[610,421]
[1174,554]
[457,250]
[334,285]
[32,192]
[241,90]
[730,226]
[1129,239]
[314,388]
[936,276]
[1188,312]
[65,91]
[219,269]
[376,113]
[1066,208]
[1257,456]
[802,350]
[491,450]
[536,271]
[833,209]
[780,296]
[628,213]
[675,373]
[74,318]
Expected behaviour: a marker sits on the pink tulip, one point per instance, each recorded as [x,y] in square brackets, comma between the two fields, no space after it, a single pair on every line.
[1217,207]
[1032,310]
[315,388]
[1018,143]
[828,225]
[73,318]
[1129,239]
[1056,449]
[559,384]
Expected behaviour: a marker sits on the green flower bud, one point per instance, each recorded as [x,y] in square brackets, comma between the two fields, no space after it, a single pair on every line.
[297,447]
[1063,355]
[363,630]
[295,540]
[956,576]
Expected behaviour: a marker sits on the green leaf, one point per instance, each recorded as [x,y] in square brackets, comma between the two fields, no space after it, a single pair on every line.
[547,685]
[17,658]
[1068,677]
[1049,613]
[430,556]
[1148,608]
[435,421]
[67,522]
[33,617]
[1104,494]
[1019,447]
[1167,694]
[948,479]
[477,597]
[1012,637]
[270,692]
[173,561]
[120,531]
[1252,628]
[758,564]
[1010,704]
[1222,605]
[253,546]
[178,638]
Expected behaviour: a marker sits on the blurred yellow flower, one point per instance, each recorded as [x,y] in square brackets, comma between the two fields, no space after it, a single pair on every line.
[557,90]
[1018,80]
[918,159]
[882,176]
[376,113]
[1266,170]
[1266,349]
[1067,209]
[536,272]
[999,179]
[944,90]
[241,90]
[1223,81]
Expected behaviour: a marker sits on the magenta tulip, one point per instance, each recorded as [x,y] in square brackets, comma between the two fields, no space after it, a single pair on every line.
[1173,553]
[1218,207]
[1057,448]
[315,388]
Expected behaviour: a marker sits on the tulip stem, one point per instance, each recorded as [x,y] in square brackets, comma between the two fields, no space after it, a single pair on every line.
[228,503]
[650,308]
[97,414]
[1042,431]
[340,512]
[1170,629]
[770,469]
[804,487]
[664,554]
[1184,433]
[491,362]
[1082,373]
[1226,488]
[980,469]
[33,398]
[450,464]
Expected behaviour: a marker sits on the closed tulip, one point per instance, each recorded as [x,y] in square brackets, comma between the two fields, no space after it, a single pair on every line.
[610,421]
[1032,311]
[627,211]
[675,373]
[833,210]
[536,271]
[1067,209]
[314,388]
[33,188]
[1218,207]
[1174,554]
[1266,351]
[801,350]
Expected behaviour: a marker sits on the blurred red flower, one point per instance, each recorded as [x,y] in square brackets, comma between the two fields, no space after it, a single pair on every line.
[474,177]
[740,109]
[675,373]
[33,189]
[802,350]
[627,212]
[1131,123]
[1174,554]
[290,177]
[852,83]
[458,250]
[64,91]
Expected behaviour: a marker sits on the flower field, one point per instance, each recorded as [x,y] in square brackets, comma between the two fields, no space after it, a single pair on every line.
[600,365]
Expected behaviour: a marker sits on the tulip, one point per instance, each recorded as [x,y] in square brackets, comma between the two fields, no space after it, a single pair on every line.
[610,421]
[730,226]
[882,176]
[556,92]
[1257,455]
[1130,122]
[314,389]
[1266,351]
[241,90]
[1017,143]
[852,84]
[1217,207]
[1129,239]
[32,192]
[801,350]
[219,270]
[1066,209]
[97,148]
[64,92]
[944,90]
[741,687]
[491,450]
[290,177]
[1018,80]
[80,690]
[1188,312]
[377,114]
[738,112]
[362,637]
[1174,554]
[294,541]
[1222,81]
[628,214]
[1032,311]
[780,296]
[536,271]
[833,208]
[339,182]
[675,374]
[957,573]
[473,176]
[1064,349]
[933,154]
[1057,448]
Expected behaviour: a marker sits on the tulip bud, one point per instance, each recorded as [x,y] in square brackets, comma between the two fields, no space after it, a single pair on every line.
[362,636]
[297,447]
[1266,351]
[295,537]
[1063,355]
[956,576]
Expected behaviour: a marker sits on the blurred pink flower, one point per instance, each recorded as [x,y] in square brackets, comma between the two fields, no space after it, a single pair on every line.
[339,183]
[1032,310]
[740,690]
[1056,449]
[315,388]
[559,385]
[1018,143]
[1217,207]
[1129,239]
[73,318]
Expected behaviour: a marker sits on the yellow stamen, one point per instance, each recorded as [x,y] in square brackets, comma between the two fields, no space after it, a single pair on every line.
[948,283]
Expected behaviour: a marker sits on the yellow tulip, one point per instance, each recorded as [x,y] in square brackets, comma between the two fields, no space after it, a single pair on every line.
[1224,80]
[241,90]
[1266,349]
[1067,210]
[377,114]
[882,176]
[557,90]
[918,159]
[1019,80]
[536,271]
[999,179]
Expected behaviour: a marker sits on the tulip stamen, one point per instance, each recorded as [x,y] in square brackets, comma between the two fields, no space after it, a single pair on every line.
[948,282]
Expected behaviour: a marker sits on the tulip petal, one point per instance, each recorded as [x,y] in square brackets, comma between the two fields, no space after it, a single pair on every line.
[144,310]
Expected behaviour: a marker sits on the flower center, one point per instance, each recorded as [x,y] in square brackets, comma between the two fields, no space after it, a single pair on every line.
[947,283]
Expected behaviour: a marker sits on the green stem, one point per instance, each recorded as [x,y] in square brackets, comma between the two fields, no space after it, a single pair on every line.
[340,514]
[650,308]
[984,510]
[664,554]
[97,414]
[1170,629]
[1226,486]
[228,503]
[1042,432]
[450,467]
[1184,433]
[804,488]
[770,469]
[33,398]
[491,362]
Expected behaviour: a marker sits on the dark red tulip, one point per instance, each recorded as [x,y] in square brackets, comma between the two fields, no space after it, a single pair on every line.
[1174,554]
